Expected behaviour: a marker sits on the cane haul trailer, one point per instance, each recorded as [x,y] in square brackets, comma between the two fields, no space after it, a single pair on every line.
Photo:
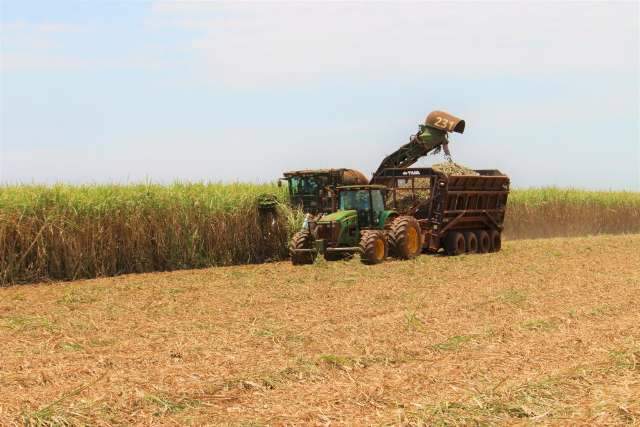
[457,213]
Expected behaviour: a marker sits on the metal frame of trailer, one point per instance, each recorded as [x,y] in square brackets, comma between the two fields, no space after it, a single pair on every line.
[445,204]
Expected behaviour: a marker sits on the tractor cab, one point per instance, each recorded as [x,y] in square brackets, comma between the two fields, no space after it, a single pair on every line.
[366,200]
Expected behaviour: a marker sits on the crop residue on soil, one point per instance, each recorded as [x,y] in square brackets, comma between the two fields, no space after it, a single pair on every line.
[545,331]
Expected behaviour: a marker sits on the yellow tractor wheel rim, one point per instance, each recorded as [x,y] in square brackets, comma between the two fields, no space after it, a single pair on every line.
[412,240]
[378,247]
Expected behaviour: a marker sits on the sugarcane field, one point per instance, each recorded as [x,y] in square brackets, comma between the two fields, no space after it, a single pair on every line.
[319,213]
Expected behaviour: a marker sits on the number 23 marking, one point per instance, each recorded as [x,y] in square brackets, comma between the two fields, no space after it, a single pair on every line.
[444,123]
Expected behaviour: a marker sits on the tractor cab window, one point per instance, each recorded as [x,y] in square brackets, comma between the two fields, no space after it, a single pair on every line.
[368,203]
[377,200]
[354,199]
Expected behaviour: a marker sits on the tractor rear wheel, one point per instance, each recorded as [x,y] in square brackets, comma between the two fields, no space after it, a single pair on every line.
[454,243]
[405,237]
[374,247]
[484,241]
[302,240]
[496,241]
[471,241]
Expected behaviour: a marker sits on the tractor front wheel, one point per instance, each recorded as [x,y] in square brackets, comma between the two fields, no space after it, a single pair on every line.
[302,240]
[405,238]
[374,247]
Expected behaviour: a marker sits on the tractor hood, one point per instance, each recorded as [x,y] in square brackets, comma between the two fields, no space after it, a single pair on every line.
[338,216]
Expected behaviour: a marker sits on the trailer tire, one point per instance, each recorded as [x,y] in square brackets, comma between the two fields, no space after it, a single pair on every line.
[471,242]
[454,243]
[484,241]
[302,240]
[374,247]
[405,238]
[496,241]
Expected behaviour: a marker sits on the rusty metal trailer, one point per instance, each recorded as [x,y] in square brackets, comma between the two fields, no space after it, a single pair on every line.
[458,213]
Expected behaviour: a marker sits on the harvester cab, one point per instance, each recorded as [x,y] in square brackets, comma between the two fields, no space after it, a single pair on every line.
[359,224]
[308,191]
[313,190]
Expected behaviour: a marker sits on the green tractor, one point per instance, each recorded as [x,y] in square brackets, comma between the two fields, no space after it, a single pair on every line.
[360,224]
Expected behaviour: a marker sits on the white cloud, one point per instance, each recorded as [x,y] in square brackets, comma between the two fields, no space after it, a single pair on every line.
[252,44]
[56,46]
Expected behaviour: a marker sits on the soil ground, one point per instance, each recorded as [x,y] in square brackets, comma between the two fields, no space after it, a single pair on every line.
[546,331]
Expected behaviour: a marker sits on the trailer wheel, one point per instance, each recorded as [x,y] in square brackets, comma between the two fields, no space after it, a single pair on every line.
[496,241]
[374,247]
[471,241]
[302,240]
[454,243]
[484,241]
[405,238]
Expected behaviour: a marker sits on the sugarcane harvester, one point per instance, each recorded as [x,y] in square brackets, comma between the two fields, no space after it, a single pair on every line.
[312,190]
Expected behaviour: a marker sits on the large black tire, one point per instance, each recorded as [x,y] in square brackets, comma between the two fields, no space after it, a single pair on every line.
[302,240]
[496,241]
[484,241]
[454,243]
[471,242]
[405,238]
[374,247]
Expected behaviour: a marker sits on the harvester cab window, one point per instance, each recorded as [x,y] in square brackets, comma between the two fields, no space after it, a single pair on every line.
[294,183]
[310,185]
[304,185]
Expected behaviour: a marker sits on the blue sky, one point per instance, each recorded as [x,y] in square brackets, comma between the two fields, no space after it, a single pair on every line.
[123,91]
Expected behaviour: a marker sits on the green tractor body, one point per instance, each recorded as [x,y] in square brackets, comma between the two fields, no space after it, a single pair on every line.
[359,224]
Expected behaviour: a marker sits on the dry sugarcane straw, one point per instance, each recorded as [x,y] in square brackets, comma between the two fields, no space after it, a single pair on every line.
[451,168]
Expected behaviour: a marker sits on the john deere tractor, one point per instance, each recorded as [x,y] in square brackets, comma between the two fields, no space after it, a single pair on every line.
[358,224]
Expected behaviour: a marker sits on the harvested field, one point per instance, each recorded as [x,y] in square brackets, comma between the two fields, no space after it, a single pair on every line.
[546,331]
